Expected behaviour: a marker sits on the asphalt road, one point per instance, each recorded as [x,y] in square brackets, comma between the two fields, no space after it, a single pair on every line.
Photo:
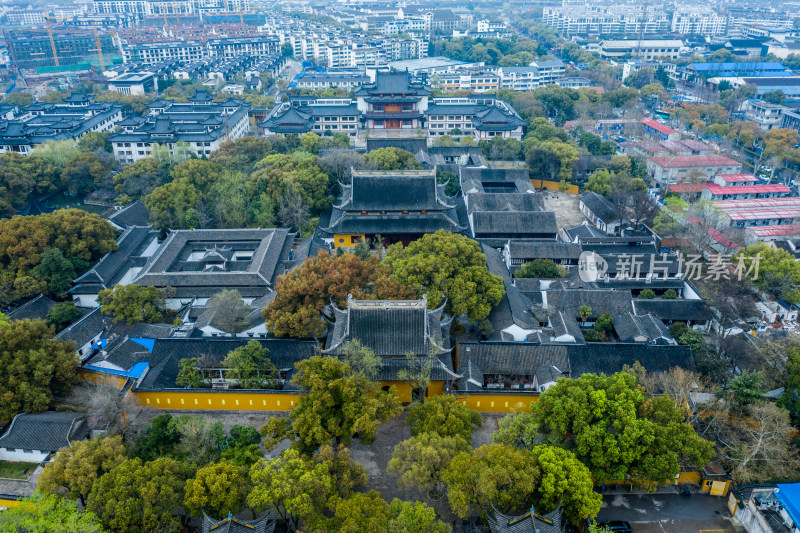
[669,513]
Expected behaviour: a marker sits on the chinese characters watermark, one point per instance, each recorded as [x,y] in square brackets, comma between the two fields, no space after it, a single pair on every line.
[593,267]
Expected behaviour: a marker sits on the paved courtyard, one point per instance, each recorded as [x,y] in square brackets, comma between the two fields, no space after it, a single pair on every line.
[565,206]
[669,513]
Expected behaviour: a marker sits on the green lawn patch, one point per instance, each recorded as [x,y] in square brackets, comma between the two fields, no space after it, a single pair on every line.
[16,470]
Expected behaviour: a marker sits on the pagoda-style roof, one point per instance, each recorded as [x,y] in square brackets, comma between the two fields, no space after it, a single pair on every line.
[392,329]
[230,524]
[394,202]
[530,522]
[392,84]
[497,118]
[292,120]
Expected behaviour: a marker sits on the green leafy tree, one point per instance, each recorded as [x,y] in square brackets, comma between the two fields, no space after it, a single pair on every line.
[604,323]
[414,517]
[615,430]
[391,158]
[450,268]
[274,173]
[419,461]
[360,512]
[159,439]
[493,475]
[81,237]
[21,99]
[56,270]
[790,399]
[51,514]
[243,446]
[361,359]
[136,496]
[174,205]
[670,294]
[93,141]
[774,97]
[189,375]
[539,268]
[77,467]
[33,367]
[61,315]
[230,311]
[677,329]
[565,482]
[89,170]
[778,272]
[140,178]
[647,294]
[56,152]
[444,415]
[133,303]
[337,406]
[296,487]
[746,389]
[218,489]
[250,366]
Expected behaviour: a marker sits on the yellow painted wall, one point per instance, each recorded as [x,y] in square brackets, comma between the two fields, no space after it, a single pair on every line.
[497,403]
[435,388]
[225,401]
[346,240]
[690,477]
[716,487]
[101,378]
[553,186]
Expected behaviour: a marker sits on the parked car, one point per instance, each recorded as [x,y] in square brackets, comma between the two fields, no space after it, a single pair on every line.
[616,526]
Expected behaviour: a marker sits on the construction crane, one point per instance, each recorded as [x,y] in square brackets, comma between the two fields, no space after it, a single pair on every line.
[52,41]
[99,49]
[642,21]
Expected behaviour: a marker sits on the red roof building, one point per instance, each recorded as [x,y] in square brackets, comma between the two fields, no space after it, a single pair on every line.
[712,191]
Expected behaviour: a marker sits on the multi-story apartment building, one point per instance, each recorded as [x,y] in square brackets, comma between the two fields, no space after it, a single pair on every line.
[34,49]
[641,49]
[595,21]
[77,115]
[699,21]
[170,7]
[27,17]
[193,51]
[199,127]
[767,116]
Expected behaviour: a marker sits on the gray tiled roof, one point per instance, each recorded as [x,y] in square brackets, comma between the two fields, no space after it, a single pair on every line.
[36,308]
[482,201]
[600,206]
[514,358]
[527,523]
[608,358]
[46,432]
[135,214]
[519,249]
[263,524]
[169,266]
[668,310]
[514,224]
[570,301]
[167,353]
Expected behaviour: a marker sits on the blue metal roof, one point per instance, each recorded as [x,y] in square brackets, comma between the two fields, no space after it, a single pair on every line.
[757,65]
[789,495]
[136,370]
